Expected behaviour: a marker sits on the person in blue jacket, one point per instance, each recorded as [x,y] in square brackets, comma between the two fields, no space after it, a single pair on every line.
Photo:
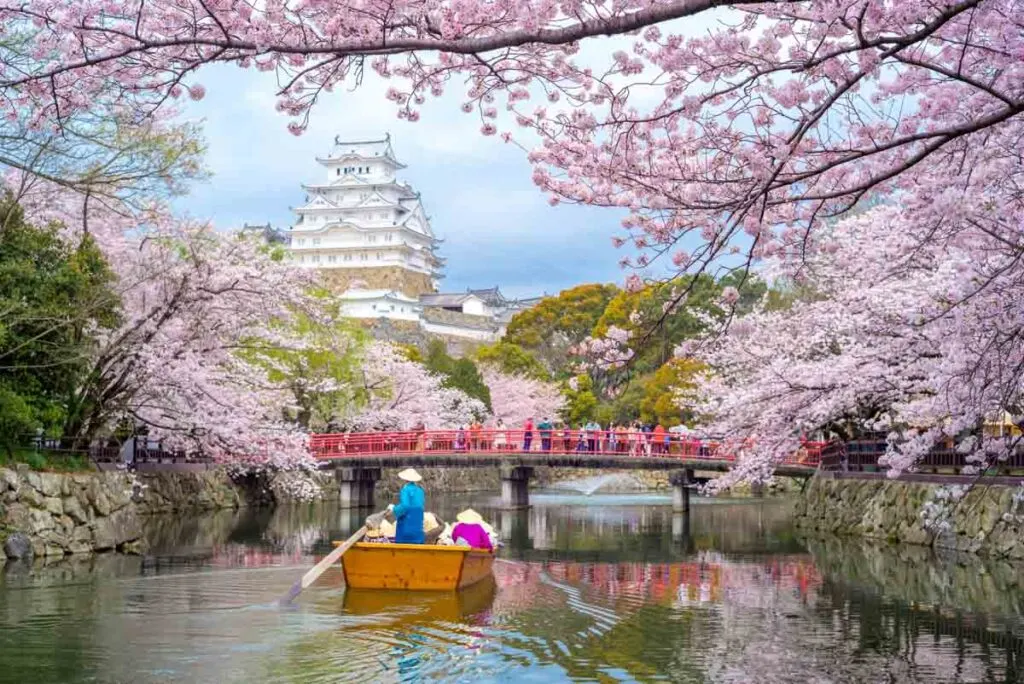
[409,511]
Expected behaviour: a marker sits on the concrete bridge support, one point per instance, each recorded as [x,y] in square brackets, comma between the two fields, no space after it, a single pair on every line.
[356,486]
[515,486]
[682,481]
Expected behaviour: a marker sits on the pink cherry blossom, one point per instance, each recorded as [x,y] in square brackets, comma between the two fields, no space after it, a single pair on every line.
[515,398]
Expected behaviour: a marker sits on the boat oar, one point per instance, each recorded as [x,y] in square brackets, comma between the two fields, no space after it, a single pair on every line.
[330,559]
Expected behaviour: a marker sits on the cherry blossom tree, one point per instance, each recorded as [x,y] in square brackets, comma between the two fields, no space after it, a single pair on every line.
[514,398]
[401,394]
[914,328]
[191,301]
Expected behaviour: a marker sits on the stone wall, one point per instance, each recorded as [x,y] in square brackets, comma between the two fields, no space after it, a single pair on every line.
[985,521]
[393,278]
[447,480]
[467,480]
[53,514]
[629,480]
[435,314]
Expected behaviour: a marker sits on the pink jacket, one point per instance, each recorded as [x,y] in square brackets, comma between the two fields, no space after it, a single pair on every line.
[474,534]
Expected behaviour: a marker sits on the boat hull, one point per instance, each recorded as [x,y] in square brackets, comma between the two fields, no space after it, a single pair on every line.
[415,567]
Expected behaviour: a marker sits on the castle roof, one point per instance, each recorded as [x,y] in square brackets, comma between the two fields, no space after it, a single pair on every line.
[361,149]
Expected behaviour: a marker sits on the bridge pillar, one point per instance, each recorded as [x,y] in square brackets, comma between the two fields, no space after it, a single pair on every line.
[356,486]
[681,481]
[515,486]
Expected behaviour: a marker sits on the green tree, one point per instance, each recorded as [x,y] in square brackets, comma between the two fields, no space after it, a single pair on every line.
[580,402]
[461,374]
[321,374]
[512,359]
[53,297]
[555,324]
[664,393]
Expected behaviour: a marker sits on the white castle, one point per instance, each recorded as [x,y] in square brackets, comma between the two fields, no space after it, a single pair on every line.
[371,238]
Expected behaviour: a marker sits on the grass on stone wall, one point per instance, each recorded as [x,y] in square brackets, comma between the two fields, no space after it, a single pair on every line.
[49,461]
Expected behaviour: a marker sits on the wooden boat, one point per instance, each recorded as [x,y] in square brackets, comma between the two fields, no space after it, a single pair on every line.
[416,567]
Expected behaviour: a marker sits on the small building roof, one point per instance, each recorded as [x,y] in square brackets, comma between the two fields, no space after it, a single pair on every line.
[490,295]
[363,295]
[443,299]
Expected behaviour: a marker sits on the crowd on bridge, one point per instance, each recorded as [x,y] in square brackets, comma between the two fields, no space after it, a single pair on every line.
[546,436]
[543,436]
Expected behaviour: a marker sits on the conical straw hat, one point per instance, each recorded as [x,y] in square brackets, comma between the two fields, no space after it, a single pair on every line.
[410,475]
[469,516]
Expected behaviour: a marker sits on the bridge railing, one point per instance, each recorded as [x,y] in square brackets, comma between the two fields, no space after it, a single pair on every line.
[557,442]
[863,455]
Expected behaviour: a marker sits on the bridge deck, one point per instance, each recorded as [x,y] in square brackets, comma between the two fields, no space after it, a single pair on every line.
[490,448]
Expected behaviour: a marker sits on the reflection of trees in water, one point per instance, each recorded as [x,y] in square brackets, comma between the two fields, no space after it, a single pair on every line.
[919,575]
[171,534]
[772,620]
[646,532]
[654,633]
[955,612]
[242,538]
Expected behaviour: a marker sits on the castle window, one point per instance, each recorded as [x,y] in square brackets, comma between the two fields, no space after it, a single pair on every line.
[331,259]
[316,241]
[339,171]
[300,242]
[348,257]
[316,258]
[302,259]
[363,256]
[378,256]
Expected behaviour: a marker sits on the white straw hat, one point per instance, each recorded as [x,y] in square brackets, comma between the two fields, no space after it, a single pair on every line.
[469,516]
[410,475]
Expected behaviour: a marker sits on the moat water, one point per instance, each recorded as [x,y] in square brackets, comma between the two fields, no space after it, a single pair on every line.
[587,588]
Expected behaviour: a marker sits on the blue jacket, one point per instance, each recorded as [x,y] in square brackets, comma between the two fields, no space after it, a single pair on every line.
[409,515]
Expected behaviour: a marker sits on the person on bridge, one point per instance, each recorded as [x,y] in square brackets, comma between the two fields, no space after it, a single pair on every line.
[409,511]
[544,427]
[527,434]
[660,442]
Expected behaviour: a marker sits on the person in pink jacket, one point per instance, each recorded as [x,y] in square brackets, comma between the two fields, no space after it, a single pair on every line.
[470,531]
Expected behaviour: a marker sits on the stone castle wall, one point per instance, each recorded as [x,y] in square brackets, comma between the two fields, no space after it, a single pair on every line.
[463,320]
[54,514]
[378,278]
[410,333]
[988,520]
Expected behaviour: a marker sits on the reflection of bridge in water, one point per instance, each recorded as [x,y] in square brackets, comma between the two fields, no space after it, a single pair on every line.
[357,458]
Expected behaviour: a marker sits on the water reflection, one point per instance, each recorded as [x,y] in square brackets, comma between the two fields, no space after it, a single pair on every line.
[622,590]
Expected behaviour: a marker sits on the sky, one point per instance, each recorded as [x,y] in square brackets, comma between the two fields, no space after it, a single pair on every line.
[497,227]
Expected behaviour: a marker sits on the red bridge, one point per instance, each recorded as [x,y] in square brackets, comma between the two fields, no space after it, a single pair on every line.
[359,456]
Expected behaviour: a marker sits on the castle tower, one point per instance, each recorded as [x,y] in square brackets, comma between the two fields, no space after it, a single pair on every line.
[367,232]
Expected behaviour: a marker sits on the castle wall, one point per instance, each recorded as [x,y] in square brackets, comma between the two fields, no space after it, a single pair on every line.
[378,278]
